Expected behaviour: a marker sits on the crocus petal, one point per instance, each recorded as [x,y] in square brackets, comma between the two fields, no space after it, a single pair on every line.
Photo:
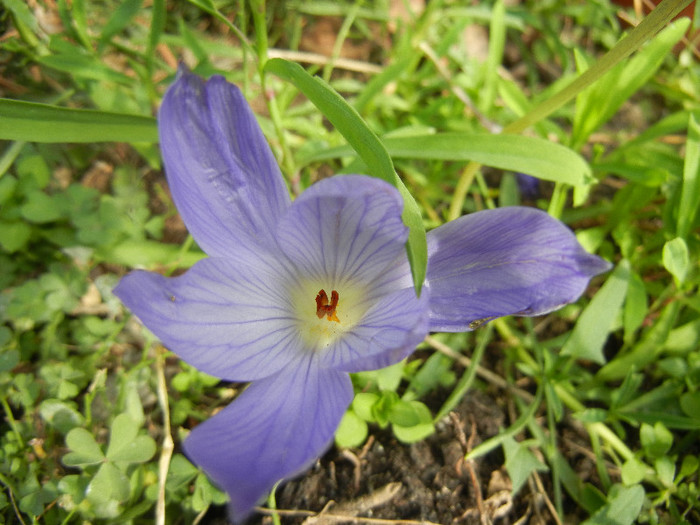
[275,429]
[344,228]
[508,261]
[225,317]
[224,179]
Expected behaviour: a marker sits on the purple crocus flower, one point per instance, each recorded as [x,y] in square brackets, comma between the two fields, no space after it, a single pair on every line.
[294,296]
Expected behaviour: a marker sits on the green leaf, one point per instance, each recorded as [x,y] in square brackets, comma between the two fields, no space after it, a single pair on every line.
[656,20]
[665,470]
[676,259]
[690,193]
[8,359]
[60,414]
[29,121]
[14,235]
[202,496]
[86,67]
[80,23]
[591,331]
[636,306]
[85,449]
[690,404]
[413,434]
[140,450]
[689,466]
[7,188]
[145,253]
[181,472]
[370,149]
[656,440]
[622,508]
[121,17]
[647,350]
[389,378]
[123,432]
[520,462]
[21,12]
[109,484]
[405,414]
[597,104]
[417,415]
[40,208]
[633,471]
[497,42]
[363,403]
[684,338]
[531,155]
[352,431]
[157,26]
[382,408]
[125,444]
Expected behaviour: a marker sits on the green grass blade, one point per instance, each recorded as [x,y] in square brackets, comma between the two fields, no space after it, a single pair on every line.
[531,155]
[80,24]
[597,104]
[33,122]
[85,67]
[156,30]
[690,193]
[367,145]
[377,83]
[497,44]
[656,20]
[121,17]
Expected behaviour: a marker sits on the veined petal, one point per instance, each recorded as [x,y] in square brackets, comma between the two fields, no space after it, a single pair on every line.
[227,317]
[508,261]
[224,179]
[390,330]
[275,429]
[345,228]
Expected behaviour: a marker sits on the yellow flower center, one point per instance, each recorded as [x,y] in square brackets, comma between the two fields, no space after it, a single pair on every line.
[322,319]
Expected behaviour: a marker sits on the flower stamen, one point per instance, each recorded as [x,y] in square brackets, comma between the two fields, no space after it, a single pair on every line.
[323,307]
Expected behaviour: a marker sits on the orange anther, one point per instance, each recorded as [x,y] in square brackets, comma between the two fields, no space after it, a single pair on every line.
[325,308]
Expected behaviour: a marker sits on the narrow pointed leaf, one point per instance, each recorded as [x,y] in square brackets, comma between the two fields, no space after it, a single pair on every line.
[690,194]
[370,149]
[597,104]
[32,122]
[530,155]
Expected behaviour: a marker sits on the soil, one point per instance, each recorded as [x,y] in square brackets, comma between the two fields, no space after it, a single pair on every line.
[424,483]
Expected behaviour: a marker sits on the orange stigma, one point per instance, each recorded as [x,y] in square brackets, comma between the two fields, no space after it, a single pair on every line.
[324,308]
